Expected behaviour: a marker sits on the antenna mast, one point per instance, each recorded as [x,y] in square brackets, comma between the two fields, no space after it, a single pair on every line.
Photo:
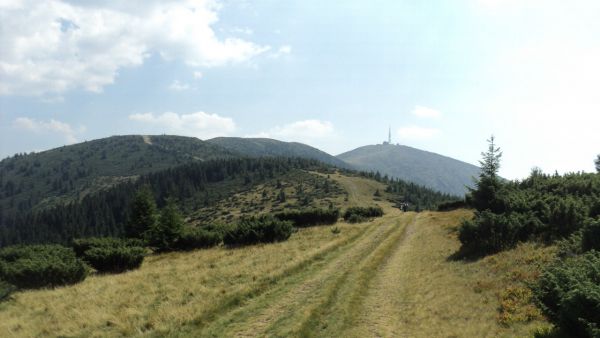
[390,135]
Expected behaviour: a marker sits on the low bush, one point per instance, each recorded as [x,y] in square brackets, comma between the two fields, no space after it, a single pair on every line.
[452,205]
[359,214]
[252,230]
[590,236]
[488,232]
[110,255]
[115,260]
[568,292]
[38,266]
[310,217]
[355,218]
[81,245]
[5,290]
[196,238]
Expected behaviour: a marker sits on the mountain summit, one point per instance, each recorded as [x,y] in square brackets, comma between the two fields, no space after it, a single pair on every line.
[432,170]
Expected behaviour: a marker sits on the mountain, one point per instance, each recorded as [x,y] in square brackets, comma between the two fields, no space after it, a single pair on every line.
[38,180]
[261,147]
[432,170]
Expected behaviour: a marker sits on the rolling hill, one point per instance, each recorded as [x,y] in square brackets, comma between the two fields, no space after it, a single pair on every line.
[260,147]
[38,180]
[432,170]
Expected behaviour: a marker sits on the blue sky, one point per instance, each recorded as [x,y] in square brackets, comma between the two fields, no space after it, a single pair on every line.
[445,75]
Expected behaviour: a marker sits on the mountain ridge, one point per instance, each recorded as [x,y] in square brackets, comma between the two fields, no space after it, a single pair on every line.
[427,168]
[257,147]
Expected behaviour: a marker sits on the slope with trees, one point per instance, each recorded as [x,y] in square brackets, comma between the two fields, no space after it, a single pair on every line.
[69,173]
[104,213]
[260,147]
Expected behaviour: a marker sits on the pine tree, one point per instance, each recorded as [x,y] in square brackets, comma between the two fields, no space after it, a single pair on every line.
[168,229]
[143,213]
[490,164]
[485,195]
[597,162]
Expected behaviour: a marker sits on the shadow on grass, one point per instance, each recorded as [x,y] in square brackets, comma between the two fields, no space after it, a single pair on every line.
[468,254]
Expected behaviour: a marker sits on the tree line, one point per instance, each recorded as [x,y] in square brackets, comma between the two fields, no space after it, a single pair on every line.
[104,213]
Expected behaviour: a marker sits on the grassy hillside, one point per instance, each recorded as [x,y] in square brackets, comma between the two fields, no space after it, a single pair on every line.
[301,189]
[257,147]
[40,180]
[435,171]
[389,277]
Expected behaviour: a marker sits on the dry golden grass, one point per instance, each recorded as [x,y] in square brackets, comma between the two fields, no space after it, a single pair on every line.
[168,291]
[390,277]
[418,292]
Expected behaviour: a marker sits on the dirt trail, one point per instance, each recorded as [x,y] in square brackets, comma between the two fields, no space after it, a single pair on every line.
[381,307]
[302,303]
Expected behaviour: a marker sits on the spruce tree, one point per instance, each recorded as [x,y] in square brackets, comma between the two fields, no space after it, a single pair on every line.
[168,229]
[490,164]
[485,195]
[143,213]
[597,162]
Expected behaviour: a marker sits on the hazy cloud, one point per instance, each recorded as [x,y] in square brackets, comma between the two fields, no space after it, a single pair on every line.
[299,131]
[283,50]
[52,127]
[199,124]
[417,133]
[425,112]
[179,86]
[55,46]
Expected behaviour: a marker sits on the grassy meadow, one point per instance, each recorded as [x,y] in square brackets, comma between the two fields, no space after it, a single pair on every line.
[392,276]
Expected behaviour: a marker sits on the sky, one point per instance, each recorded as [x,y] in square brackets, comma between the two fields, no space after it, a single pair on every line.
[443,75]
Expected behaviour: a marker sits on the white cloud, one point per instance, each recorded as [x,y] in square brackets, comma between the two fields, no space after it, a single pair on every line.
[425,112]
[56,46]
[417,133]
[300,131]
[179,86]
[200,124]
[198,75]
[53,127]
[242,30]
[283,50]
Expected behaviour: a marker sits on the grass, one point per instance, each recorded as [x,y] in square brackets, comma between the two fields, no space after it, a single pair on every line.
[388,277]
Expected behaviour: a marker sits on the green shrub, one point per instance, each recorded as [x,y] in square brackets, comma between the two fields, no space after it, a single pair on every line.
[359,214]
[5,290]
[310,217]
[81,245]
[355,218]
[488,232]
[263,229]
[115,259]
[590,236]
[568,292]
[38,266]
[567,214]
[195,238]
[109,254]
